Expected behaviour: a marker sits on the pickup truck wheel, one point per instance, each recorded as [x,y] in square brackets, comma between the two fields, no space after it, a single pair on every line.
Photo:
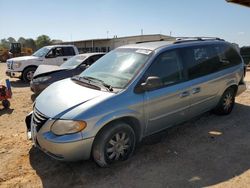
[115,143]
[28,74]
[226,103]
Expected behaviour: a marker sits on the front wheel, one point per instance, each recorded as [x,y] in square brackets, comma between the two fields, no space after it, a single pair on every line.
[226,103]
[115,143]
[28,74]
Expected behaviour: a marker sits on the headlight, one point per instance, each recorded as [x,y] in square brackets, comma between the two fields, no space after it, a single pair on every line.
[17,64]
[62,127]
[42,79]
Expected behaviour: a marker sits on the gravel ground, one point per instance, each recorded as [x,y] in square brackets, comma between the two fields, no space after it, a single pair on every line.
[207,151]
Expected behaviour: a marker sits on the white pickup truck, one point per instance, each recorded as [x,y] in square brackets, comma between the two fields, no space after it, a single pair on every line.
[24,67]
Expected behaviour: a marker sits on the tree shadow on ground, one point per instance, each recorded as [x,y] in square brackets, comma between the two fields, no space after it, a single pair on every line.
[202,152]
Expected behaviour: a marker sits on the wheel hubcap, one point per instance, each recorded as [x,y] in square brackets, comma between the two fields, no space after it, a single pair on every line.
[118,146]
[30,75]
[228,101]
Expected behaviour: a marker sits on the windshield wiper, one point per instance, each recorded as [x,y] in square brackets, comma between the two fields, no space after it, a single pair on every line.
[107,86]
[80,79]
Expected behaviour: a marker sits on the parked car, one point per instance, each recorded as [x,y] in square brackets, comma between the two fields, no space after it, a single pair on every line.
[132,92]
[24,67]
[245,53]
[48,74]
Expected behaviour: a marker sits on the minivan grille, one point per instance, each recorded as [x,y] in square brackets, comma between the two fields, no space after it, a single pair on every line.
[39,119]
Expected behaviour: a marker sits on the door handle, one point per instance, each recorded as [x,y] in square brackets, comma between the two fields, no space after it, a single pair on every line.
[184,94]
[196,90]
[64,59]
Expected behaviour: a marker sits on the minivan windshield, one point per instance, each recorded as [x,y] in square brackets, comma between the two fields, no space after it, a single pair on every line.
[118,67]
[41,52]
[73,62]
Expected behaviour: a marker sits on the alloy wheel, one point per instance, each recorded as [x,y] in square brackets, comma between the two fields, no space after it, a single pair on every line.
[118,146]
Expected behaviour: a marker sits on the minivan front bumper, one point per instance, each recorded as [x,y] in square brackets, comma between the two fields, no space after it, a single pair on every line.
[65,148]
[69,151]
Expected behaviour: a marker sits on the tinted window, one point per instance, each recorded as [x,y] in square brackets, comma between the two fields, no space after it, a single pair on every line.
[68,51]
[167,67]
[232,56]
[227,56]
[199,61]
[204,60]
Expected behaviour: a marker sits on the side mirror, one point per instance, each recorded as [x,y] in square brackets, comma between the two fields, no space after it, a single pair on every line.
[152,82]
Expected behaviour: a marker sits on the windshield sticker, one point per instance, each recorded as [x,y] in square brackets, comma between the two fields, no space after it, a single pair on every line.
[143,51]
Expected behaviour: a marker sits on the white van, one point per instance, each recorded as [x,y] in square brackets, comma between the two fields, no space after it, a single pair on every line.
[24,67]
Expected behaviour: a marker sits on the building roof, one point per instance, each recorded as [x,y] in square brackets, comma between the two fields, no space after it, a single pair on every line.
[149,45]
[241,2]
[115,37]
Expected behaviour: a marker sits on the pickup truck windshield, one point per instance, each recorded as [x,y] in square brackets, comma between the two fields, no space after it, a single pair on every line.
[41,52]
[118,67]
[73,62]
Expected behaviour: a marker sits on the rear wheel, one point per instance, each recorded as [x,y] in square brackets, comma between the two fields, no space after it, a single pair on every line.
[115,143]
[28,73]
[226,103]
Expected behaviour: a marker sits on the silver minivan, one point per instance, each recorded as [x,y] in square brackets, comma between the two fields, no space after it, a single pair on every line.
[132,92]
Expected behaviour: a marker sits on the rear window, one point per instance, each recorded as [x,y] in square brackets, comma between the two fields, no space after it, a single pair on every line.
[68,51]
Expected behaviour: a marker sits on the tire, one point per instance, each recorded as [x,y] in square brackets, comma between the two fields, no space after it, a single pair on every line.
[114,143]
[6,103]
[226,103]
[28,74]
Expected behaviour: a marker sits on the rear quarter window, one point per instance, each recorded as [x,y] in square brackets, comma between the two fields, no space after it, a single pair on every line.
[228,56]
[203,60]
[199,61]
[68,51]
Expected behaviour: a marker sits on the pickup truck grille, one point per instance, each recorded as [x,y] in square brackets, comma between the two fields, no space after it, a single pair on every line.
[9,65]
[39,119]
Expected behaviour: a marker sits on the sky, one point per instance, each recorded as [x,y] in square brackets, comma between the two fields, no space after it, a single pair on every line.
[69,20]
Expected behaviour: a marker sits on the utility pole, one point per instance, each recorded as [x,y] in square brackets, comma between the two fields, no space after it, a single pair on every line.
[107,34]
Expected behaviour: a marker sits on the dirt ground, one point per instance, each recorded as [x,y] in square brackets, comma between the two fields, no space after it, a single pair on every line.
[208,151]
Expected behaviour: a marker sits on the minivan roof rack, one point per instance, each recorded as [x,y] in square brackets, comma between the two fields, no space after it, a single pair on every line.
[191,39]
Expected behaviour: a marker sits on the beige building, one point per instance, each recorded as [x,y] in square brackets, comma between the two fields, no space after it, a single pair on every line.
[105,45]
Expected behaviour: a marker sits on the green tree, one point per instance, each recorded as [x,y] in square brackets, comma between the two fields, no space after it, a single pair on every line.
[5,43]
[11,40]
[42,40]
[22,41]
[30,43]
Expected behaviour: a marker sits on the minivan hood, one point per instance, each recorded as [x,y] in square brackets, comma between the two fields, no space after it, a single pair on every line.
[65,95]
[23,58]
[44,69]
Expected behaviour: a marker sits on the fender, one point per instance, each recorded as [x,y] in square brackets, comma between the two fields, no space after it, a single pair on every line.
[116,115]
